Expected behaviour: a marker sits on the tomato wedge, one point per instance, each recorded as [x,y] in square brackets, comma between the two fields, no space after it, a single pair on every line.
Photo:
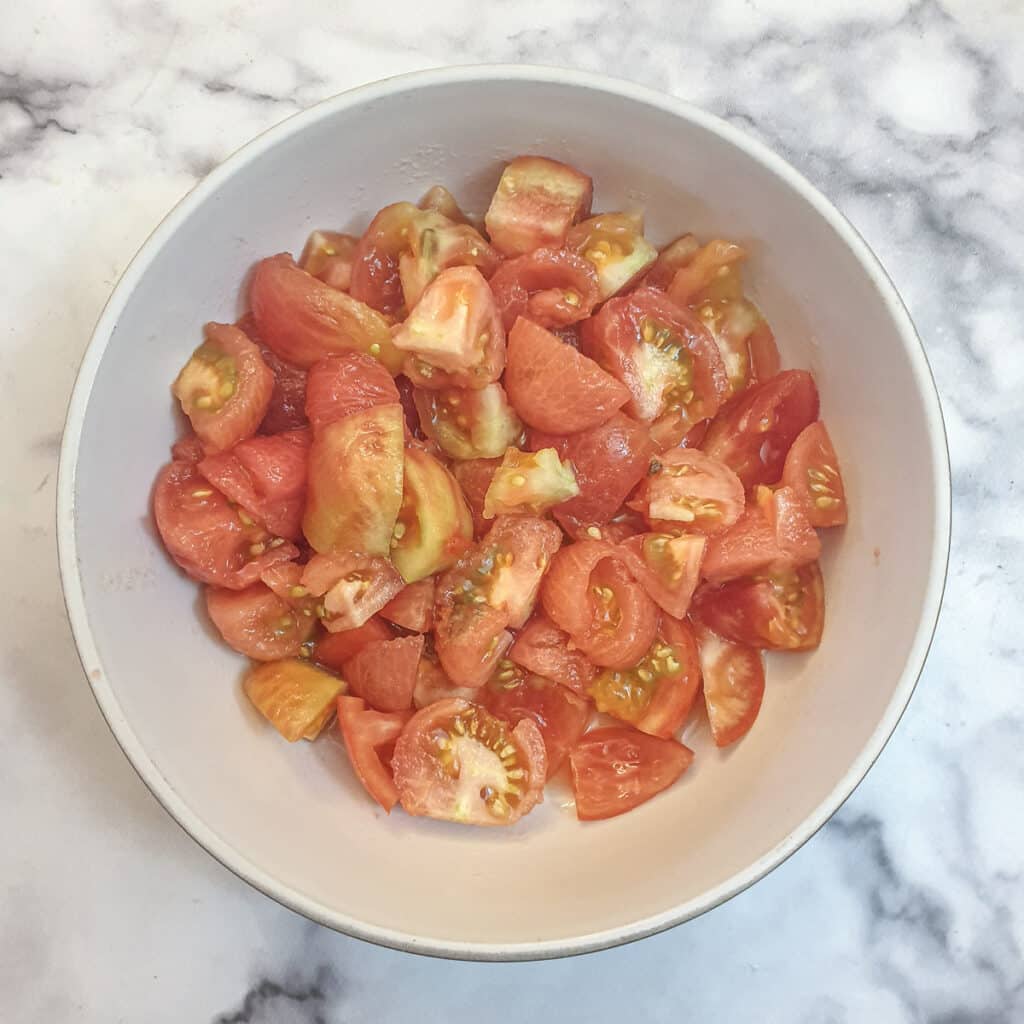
[733,685]
[329,255]
[545,650]
[352,587]
[434,247]
[297,699]
[754,432]
[614,244]
[536,202]
[347,383]
[474,477]
[335,649]
[675,255]
[550,287]
[225,388]
[561,716]
[440,200]
[453,336]
[781,613]
[554,388]
[208,537]
[355,482]
[368,734]
[413,608]
[257,623]
[812,471]
[457,762]
[468,423]
[590,593]
[383,672]
[529,482]
[615,769]
[302,319]
[667,567]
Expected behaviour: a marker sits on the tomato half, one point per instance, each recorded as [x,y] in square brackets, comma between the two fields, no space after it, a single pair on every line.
[614,244]
[536,202]
[383,672]
[210,539]
[529,482]
[355,482]
[453,336]
[335,649]
[413,608]
[616,769]
[551,287]
[469,423]
[457,762]
[667,567]
[754,432]
[352,587]
[266,477]
[329,255]
[663,355]
[780,613]
[225,387]
[561,716]
[368,735]
[554,388]
[590,593]
[544,649]
[302,319]
[474,477]
[350,382]
[654,695]
[295,697]
[733,685]
[812,471]
[257,623]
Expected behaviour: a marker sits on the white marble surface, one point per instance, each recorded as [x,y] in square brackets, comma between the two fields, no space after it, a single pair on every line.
[908,906]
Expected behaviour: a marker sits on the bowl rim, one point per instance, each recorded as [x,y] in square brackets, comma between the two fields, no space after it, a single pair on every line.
[235,860]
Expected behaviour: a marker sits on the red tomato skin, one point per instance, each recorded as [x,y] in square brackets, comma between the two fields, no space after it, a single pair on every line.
[286,410]
[733,677]
[375,277]
[335,649]
[365,733]
[474,477]
[538,287]
[188,449]
[346,383]
[383,672]
[812,470]
[544,649]
[413,607]
[673,594]
[552,387]
[252,622]
[615,769]
[672,704]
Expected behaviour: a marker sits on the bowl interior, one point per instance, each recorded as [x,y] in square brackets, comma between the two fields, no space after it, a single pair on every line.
[292,818]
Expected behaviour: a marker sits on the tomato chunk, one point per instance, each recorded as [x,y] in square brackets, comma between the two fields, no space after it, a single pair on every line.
[352,587]
[257,623]
[413,608]
[529,482]
[335,649]
[225,388]
[383,672]
[545,650]
[812,471]
[474,477]
[616,769]
[368,735]
[535,204]
[297,699]
[614,244]
[457,762]
[436,245]
[440,200]
[673,256]
[733,686]
[340,385]
[551,287]
[469,423]
[287,408]
[553,387]
[667,567]
[329,255]
[432,684]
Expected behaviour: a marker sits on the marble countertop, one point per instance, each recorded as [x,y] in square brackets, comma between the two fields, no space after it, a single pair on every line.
[910,116]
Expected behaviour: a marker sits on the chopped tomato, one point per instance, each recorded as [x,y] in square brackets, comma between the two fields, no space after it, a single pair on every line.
[615,769]
[614,244]
[287,408]
[440,200]
[733,685]
[453,336]
[335,649]
[662,353]
[754,432]
[457,762]
[302,319]
[654,695]
[590,594]
[352,587]
[329,255]
[561,716]
[368,734]
[432,684]
[493,586]
[355,482]
[688,490]
[187,449]
[343,384]
[434,525]
[297,699]
[785,612]
[551,287]
[413,608]
[436,245]
[675,255]
[285,580]
[257,623]
[207,536]
[703,267]
[225,388]
[383,672]
[474,477]
[469,423]
[529,482]
[812,471]
[667,567]
[544,649]
[609,459]
[266,477]
[553,387]
[625,525]
[535,204]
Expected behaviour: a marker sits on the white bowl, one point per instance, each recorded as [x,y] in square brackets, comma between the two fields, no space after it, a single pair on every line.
[292,820]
